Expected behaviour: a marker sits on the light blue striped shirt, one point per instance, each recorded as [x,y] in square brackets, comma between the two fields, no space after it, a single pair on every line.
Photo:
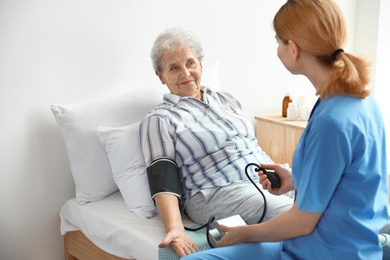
[211,141]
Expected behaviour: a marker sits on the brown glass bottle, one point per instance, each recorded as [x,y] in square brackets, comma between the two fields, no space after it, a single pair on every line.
[286,100]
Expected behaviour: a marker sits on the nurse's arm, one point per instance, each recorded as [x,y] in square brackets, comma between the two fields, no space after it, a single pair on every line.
[290,224]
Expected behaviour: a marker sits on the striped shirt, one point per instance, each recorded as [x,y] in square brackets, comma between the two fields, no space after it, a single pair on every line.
[211,141]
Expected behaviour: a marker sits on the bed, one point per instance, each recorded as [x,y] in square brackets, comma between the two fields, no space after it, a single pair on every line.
[112,215]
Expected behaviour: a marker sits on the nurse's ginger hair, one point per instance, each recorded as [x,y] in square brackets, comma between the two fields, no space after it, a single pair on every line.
[319,27]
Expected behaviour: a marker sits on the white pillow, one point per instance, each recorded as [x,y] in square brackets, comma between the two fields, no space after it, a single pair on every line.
[87,157]
[123,148]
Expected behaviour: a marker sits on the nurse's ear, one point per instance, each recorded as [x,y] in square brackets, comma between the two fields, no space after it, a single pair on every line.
[294,49]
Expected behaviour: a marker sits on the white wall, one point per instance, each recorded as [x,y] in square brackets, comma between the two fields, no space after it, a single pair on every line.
[366,36]
[382,68]
[371,40]
[57,51]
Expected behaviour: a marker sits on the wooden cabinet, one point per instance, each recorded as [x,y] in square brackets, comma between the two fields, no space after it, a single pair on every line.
[278,136]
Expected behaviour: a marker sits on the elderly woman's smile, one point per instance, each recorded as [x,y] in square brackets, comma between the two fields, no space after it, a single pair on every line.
[181,72]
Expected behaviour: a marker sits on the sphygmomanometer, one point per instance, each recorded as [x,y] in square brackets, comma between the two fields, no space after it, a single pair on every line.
[214,233]
[164,177]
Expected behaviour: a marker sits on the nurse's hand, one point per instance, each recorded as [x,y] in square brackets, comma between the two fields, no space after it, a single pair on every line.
[234,235]
[285,175]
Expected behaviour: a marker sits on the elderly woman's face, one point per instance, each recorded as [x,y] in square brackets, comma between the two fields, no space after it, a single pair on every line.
[181,72]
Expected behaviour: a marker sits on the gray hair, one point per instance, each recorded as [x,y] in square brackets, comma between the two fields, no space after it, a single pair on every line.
[172,39]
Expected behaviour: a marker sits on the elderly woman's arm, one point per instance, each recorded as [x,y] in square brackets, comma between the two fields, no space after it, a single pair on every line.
[168,209]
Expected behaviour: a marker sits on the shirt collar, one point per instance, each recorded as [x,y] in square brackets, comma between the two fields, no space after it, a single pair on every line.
[314,108]
[173,99]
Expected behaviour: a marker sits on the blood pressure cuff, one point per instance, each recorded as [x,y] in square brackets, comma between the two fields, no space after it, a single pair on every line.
[164,177]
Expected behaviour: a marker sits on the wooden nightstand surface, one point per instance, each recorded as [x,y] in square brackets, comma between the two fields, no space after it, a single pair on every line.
[276,118]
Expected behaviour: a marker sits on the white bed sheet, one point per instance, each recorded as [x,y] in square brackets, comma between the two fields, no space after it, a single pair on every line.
[114,229]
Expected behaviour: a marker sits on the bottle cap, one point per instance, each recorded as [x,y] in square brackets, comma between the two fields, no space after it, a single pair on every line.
[292,105]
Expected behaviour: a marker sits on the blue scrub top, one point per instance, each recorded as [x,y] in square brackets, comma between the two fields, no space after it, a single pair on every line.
[339,168]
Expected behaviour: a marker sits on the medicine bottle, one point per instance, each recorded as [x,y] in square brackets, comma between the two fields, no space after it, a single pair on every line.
[292,111]
[286,100]
[301,104]
[306,113]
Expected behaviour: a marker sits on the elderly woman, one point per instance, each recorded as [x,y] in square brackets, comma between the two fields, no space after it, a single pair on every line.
[196,145]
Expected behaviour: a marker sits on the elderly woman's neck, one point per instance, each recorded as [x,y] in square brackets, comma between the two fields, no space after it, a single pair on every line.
[199,95]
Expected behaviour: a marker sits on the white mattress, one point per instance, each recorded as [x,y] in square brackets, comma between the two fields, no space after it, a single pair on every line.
[114,229]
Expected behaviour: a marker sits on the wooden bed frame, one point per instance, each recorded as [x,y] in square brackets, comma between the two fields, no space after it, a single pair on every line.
[79,247]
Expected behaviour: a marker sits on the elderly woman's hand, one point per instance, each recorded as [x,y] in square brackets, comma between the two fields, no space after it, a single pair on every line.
[180,242]
[284,174]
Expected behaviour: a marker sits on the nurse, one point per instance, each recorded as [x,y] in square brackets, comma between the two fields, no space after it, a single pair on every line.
[339,170]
